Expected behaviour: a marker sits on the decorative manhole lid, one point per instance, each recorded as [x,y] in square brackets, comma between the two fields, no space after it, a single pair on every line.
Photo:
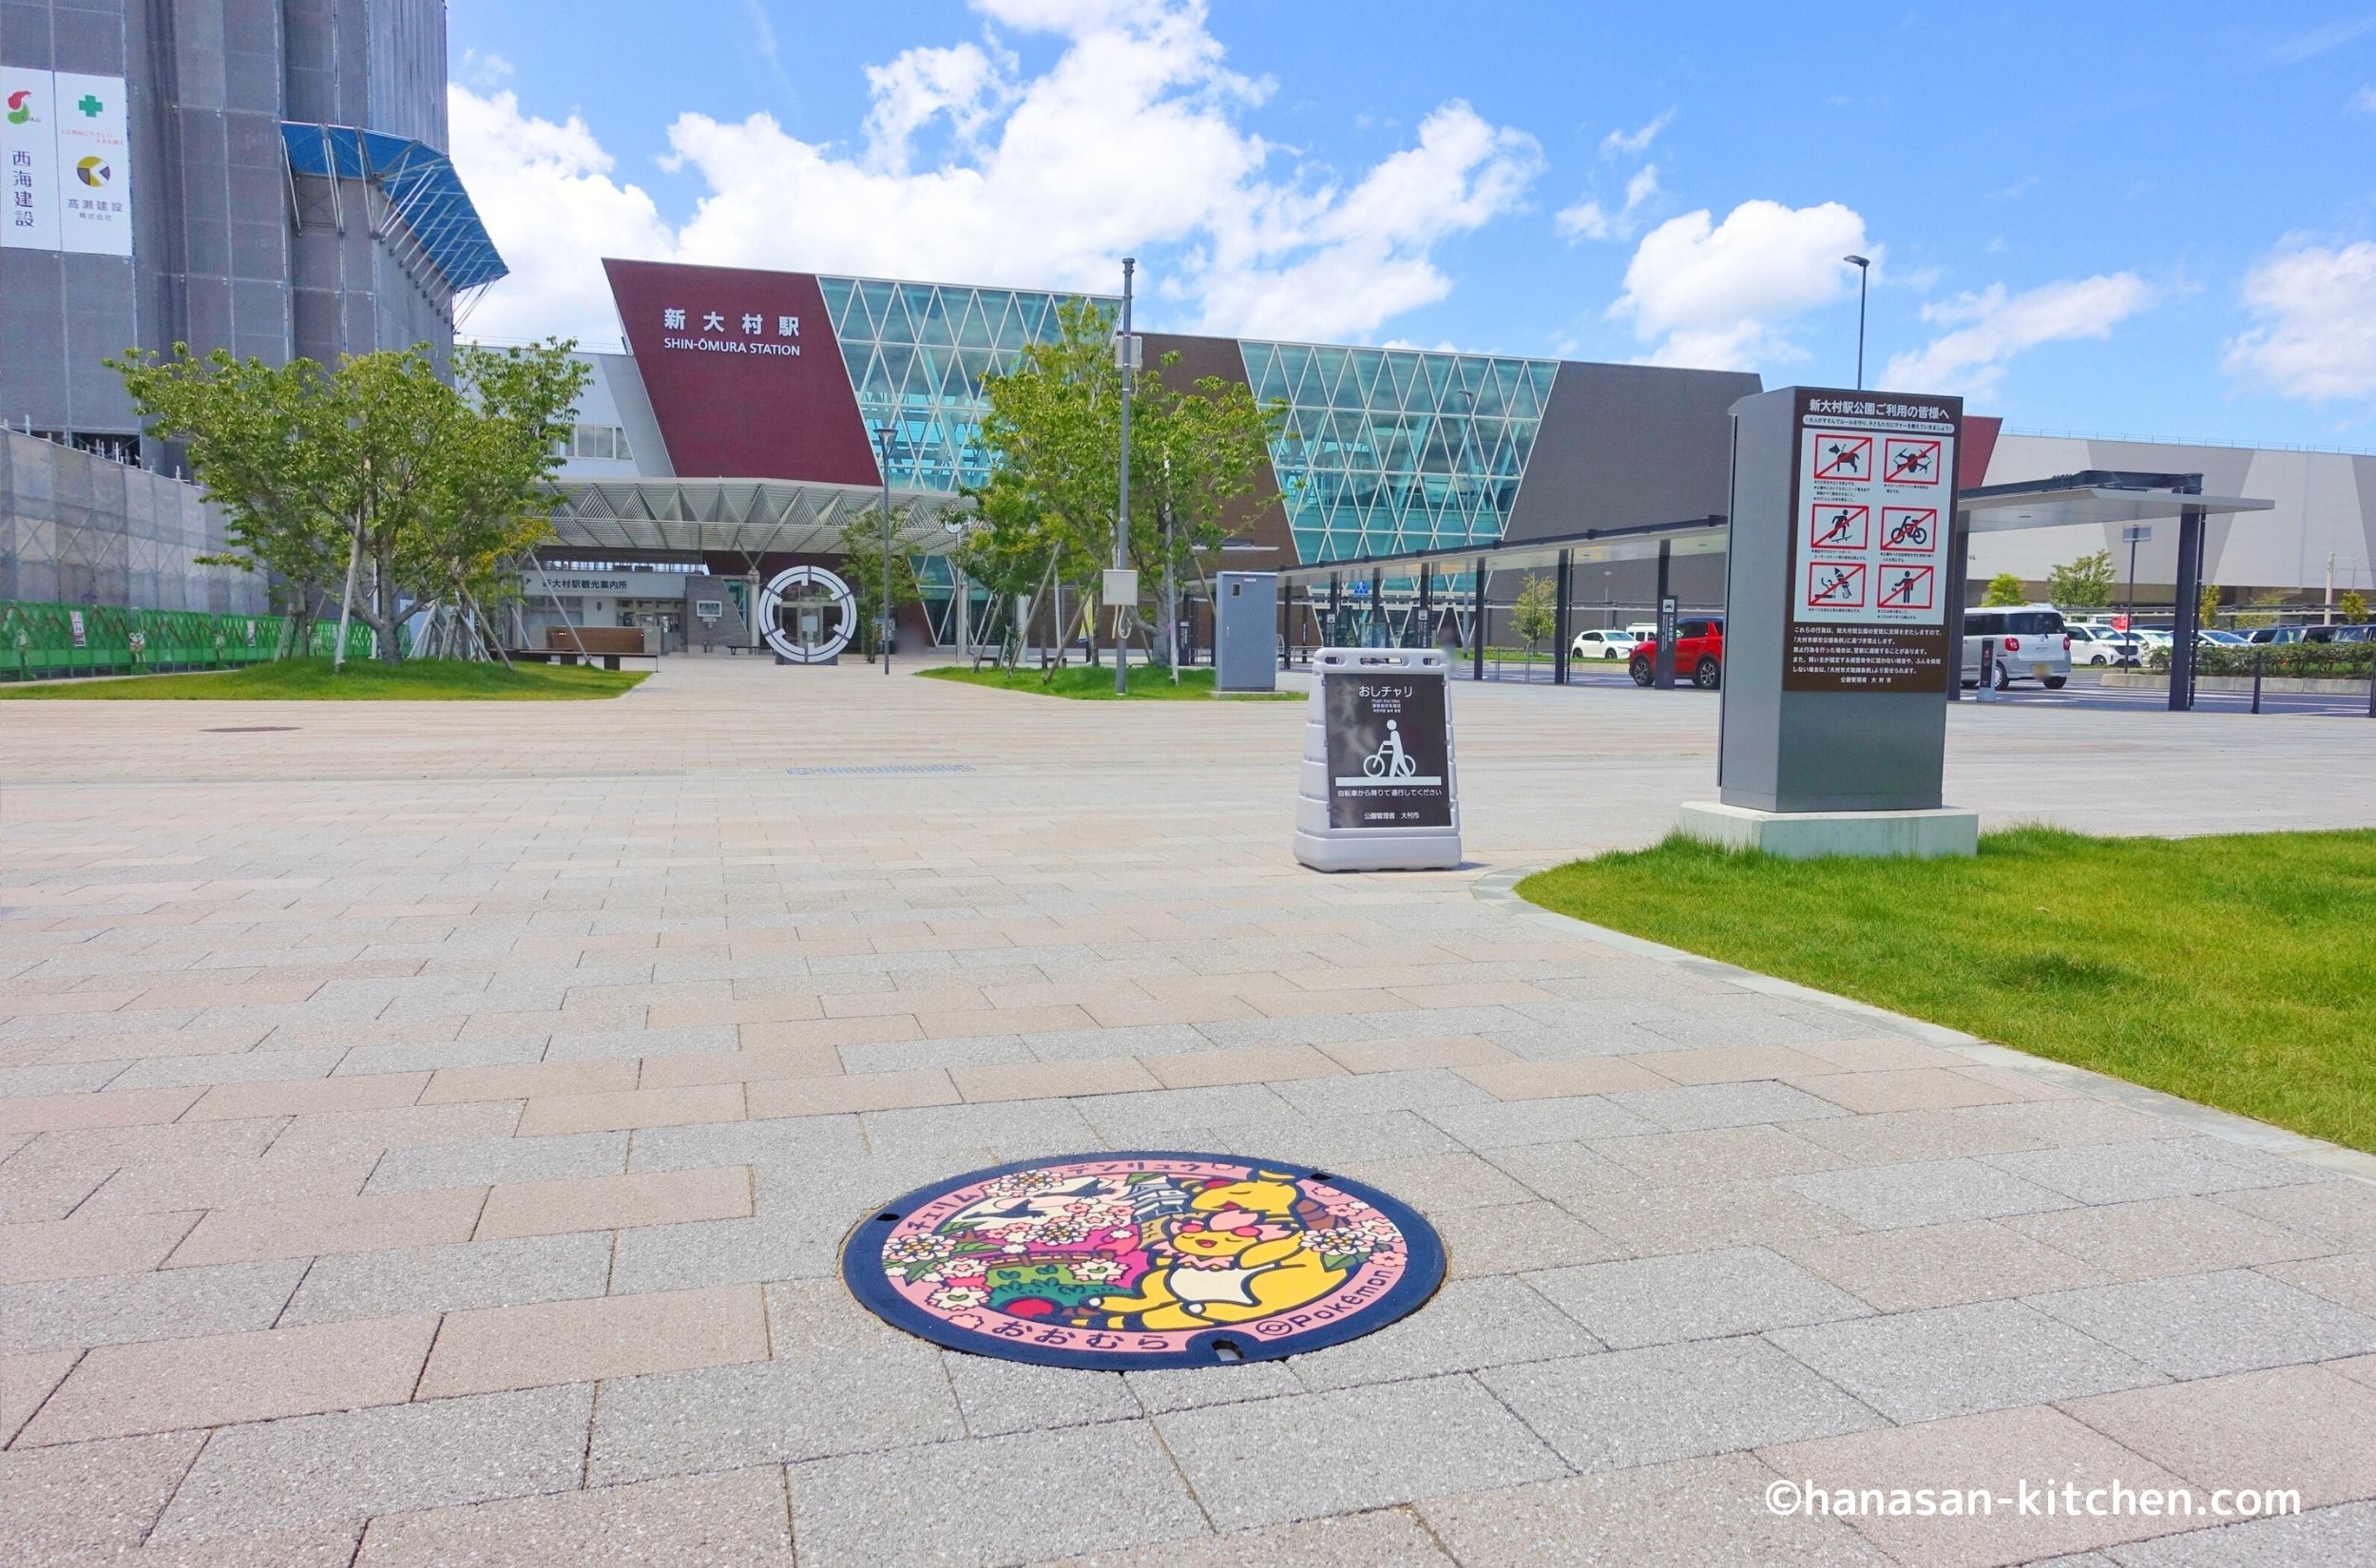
[1143,1260]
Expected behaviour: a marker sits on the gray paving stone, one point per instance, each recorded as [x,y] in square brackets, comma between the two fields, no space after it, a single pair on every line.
[2203,1324]
[2342,1535]
[1889,1197]
[1502,1124]
[65,1078]
[1088,1488]
[1193,1387]
[1133,1039]
[1277,1460]
[2122,1172]
[806,1406]
[1316,1029]
[1693,1295]
[1151,1118]
[797,1145]
[1705,1105]
[1014,1396]
[1699,1513]
[981,1135]
[1469,1324]
[1553,1042]
[57,1504]
[160,1304]
[1563,1172]
[1670,1402]
[452,1278]
[1433,1183]
[608,1044]
[314,1471]
[1389,1538]
[900,1055]
[1956,1361]
[487,1161]
[1428,1091]
[230,1067]
[429,1056]
[1324,1142]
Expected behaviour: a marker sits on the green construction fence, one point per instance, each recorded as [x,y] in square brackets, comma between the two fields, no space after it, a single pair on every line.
[41,641]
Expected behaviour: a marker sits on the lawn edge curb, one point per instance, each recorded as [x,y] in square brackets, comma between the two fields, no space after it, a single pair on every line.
[1499,890]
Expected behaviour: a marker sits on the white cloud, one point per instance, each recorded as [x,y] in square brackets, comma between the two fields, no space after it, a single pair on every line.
[1634,144]
[2317,41]
[1988,327]
[1131,140]
[1589,220]
[2314,309]
[2364,100]
[1721,296]
[546,196]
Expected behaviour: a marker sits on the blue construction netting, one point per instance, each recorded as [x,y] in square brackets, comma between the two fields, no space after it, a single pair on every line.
[421,187]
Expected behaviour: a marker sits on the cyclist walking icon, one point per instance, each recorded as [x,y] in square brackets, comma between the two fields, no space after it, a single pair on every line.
[1389,760]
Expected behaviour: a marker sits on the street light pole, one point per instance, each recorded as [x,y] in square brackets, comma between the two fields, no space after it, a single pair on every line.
[1864,274]
[1121,519]
[882,629]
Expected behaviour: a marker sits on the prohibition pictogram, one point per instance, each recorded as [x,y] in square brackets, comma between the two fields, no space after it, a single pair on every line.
[1906,587]
[1835,527]
[1835,585]
[1909,527]
[1907,461]
[1844,456]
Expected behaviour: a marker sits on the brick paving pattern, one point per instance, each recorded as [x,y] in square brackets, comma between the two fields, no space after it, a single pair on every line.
[426,1137]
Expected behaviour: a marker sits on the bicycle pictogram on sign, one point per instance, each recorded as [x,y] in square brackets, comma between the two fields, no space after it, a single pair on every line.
[1908,528]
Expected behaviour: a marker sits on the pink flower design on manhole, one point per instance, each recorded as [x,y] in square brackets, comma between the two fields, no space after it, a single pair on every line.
[1143,1260]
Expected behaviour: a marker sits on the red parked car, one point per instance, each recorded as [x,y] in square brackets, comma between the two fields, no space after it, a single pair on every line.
[1698,654]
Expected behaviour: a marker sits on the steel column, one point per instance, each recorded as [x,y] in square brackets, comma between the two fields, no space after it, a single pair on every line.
[1559,619]
[1427,607]
[1959,576]
[2186,612]
[1477,624]
[1662,662]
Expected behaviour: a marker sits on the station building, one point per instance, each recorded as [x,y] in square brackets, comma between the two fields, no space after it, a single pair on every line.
[753,413]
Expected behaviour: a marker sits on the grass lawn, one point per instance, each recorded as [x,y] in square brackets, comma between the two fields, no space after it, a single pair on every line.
[311,679]
[1094,683]
[2238,972]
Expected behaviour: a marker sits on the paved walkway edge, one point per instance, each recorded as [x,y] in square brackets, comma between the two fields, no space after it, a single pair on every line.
[1500,888]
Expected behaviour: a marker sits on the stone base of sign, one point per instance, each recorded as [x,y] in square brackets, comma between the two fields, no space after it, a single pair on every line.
[1438,852]
[1806,835]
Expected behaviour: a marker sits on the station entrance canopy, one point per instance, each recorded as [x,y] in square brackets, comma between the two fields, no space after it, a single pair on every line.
[750,517]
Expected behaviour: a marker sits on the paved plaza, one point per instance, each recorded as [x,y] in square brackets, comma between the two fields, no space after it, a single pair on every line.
[429,1131]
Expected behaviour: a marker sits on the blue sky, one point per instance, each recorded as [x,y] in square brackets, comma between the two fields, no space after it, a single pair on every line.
[2145,219]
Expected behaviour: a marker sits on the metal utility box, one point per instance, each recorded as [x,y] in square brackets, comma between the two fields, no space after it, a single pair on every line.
[1245,631]
[1378,792]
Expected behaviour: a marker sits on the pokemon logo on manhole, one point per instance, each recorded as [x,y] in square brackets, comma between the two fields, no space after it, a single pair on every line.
[1136,1260]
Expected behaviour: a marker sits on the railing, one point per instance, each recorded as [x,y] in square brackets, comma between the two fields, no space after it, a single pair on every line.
[44,641]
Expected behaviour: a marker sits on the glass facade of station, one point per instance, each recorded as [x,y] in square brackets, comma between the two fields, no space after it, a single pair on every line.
[916,354]
[1388,449]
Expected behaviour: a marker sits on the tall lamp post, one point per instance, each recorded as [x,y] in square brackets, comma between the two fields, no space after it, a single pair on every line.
[1864,274]
[1124,358]
[883,620]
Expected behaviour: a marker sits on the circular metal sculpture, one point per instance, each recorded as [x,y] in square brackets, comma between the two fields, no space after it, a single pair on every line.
[1142,1260]
[823,585]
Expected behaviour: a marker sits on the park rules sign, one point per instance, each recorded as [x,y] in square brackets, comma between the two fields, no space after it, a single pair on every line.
[1872,501]
[1388,750]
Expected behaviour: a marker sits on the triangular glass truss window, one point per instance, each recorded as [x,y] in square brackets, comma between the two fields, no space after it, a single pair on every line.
[1397,448]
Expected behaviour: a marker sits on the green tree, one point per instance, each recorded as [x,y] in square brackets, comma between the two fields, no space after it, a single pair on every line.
[862,568]
[2353,606]
[2207,607]
[1534,614]
[378,475]
[2005,588]
[2084,583]
[254,436]
[1047,514]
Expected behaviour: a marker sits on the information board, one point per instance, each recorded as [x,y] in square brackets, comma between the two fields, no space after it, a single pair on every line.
[1872,499]
[1389,751]
[67,162]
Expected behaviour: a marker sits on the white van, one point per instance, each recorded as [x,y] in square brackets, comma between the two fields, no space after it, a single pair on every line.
[2027,643]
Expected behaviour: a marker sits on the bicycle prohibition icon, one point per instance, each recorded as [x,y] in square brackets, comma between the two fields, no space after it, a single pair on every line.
[1389,760]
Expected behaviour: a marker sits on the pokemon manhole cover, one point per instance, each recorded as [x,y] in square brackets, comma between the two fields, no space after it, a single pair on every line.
[1132,1260]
